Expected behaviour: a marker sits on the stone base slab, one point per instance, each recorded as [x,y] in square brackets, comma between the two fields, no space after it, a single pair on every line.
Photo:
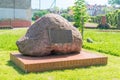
[55,62]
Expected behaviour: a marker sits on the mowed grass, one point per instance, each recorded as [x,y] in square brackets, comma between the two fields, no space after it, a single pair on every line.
[106,42]
[8,38]
[9,71]
[111,71]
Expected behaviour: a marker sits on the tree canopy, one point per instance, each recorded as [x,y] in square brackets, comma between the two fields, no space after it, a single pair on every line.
[79,11]
[114,2]
[39,14]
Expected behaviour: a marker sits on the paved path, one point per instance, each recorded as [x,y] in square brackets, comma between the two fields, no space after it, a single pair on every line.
[91,25]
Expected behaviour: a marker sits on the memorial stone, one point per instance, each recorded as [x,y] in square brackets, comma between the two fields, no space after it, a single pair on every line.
[51,33]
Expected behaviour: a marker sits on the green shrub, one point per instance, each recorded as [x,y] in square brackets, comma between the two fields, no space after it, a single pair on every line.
[95,19]
[101,26]
[39,14]
[68,17]
[113,18]
[80,13]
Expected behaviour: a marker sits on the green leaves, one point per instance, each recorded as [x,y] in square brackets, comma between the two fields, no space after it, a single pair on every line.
[79,11]
[114,2]
[39,14]
[113,18]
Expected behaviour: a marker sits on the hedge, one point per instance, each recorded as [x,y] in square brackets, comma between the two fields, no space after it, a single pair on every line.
[113,18]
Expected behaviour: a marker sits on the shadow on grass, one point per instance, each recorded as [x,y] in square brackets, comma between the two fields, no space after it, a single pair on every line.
[71,69]
[10,63]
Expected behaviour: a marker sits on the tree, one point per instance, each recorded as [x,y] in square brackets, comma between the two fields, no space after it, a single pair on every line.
[80,14]
[79,11]
[114,2]
[39,14]
[68,16]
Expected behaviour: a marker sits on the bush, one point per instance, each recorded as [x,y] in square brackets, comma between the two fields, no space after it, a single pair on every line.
[113,18]
[39,14]
[95,19]
[68,17]
[101,26]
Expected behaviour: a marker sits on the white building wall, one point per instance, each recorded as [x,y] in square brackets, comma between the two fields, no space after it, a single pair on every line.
[6,13]
[20,13]
[9,13]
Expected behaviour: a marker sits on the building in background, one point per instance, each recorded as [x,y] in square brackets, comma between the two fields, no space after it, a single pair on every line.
[15,10]
[94,10]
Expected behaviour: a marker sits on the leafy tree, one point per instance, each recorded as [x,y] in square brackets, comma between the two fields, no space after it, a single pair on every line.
[114,2]
[39,14]
[68,16]
[64,11]
[80,14]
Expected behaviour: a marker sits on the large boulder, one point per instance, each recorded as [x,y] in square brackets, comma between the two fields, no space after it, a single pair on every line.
[36,41]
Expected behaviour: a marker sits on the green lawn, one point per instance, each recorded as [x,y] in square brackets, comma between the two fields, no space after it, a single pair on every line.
[8,38]
[8,71]
[106,42]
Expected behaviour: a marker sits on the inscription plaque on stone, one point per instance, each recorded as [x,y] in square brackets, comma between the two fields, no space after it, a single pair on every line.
[60,36]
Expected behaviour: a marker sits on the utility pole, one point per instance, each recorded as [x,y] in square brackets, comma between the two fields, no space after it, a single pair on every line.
[55,3]
[40,4]
[14,9]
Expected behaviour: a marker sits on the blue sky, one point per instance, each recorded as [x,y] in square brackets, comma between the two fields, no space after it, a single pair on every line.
[62,3]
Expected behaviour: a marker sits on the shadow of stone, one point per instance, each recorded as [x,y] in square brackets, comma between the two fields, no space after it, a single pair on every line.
[62,70]
[10,63]
[72,69]
[20,71]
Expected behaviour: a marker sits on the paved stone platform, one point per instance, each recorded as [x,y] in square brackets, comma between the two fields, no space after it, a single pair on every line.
[55,62]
